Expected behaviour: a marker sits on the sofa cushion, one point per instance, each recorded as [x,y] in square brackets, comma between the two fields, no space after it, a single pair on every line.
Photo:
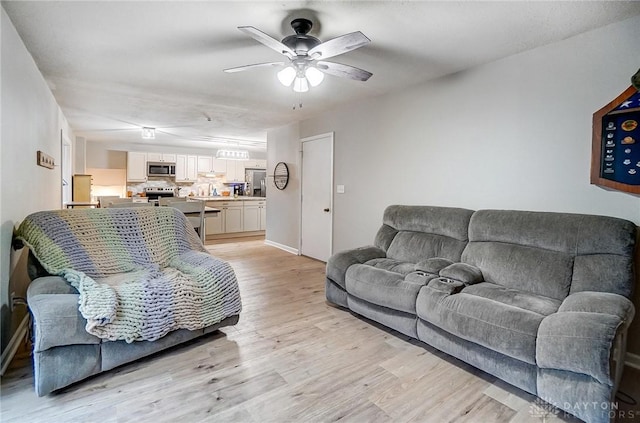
[391,265]
[416,233]
[418,246]
[382,287]
[503,319]
[579,252]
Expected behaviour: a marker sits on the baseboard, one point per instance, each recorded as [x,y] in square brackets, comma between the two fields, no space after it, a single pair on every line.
[282,247]
[14,344]
[632,360]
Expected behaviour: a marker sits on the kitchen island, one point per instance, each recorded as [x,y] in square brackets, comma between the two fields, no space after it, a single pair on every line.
[239,216]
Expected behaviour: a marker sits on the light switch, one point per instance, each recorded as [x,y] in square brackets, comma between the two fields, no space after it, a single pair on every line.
[340,189]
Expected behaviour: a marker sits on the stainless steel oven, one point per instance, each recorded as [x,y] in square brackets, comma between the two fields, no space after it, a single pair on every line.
[161,169]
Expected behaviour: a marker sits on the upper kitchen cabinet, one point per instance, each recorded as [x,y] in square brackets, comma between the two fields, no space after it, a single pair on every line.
[235,171]
[219,165]
[161,157]
[255,164]
[136,167]
[186,168]
[205,164]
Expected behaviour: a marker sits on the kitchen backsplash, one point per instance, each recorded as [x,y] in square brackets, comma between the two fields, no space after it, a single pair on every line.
[203,186]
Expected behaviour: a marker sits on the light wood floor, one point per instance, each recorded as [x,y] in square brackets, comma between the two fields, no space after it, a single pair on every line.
[291,358]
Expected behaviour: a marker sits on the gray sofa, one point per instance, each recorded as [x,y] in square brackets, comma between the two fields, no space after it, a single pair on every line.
[540,300]
[123,247]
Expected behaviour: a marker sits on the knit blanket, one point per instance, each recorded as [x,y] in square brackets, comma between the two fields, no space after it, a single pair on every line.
[140,272]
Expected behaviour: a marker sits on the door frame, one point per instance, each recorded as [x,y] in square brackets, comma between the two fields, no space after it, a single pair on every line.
[303,140]
[66,164]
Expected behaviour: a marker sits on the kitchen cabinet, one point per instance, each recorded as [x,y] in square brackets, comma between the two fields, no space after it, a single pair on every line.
[263,217]
[255,164]
[254,216]
[229,220]
[161,157]
[186,168]
[233,218]
[219,165]
[215,224]
[205,164]
[136,167]
[235,170]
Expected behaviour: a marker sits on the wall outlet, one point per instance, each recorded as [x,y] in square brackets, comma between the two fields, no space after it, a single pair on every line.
[12,297]
[340,189]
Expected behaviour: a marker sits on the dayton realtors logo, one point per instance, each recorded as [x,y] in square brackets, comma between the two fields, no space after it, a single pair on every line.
[542,409]
[545,410]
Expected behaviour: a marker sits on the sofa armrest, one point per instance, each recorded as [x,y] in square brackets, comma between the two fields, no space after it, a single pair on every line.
[580,336]
[462,272]
[50,285]
[338,263]
[57,322]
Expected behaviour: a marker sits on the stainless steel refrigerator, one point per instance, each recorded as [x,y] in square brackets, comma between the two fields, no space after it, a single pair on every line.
[256,182]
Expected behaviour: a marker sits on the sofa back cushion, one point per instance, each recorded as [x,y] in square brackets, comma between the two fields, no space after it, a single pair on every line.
[416,233]
[552,254]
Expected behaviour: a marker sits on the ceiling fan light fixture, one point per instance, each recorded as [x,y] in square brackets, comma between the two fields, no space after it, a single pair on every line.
[286,76]
[300,85]
[314,76]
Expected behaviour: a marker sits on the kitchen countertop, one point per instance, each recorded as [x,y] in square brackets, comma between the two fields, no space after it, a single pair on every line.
[221,198]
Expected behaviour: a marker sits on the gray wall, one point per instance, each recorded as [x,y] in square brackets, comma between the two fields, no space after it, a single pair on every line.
[512,134]
[283,206]
[31,121]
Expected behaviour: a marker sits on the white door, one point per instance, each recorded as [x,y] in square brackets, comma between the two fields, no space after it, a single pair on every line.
[317,200]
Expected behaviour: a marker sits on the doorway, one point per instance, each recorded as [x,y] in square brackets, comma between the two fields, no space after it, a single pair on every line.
[316,223]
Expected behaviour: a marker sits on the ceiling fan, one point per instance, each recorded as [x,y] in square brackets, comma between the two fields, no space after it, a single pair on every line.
[307,54]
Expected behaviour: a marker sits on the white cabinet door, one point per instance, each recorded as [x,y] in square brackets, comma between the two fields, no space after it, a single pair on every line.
[192,168]
[161,157]
[205,164]
[181,168]
[186,168]
[255,164]
[136,167]
[233,221]
[154,157]
[263,218]
[215,224]
[251,218]
[231,170]
[219,165]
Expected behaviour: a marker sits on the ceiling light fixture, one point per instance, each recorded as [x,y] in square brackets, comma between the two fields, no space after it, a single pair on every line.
[301,77]
[148,133]
[233,154]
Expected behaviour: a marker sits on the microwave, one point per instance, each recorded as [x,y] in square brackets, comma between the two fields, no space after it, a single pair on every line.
[161,169]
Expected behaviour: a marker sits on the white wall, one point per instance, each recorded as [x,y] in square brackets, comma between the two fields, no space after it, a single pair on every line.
[513,134]
[31,121]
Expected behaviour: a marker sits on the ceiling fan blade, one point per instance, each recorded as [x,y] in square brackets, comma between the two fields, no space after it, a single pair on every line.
[343,71]
[267,40]
[339,45]
[257,65]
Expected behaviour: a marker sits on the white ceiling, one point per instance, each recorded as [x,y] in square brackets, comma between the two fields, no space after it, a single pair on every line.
[117,66]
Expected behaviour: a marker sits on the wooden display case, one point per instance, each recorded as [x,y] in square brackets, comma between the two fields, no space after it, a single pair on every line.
[615,148]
